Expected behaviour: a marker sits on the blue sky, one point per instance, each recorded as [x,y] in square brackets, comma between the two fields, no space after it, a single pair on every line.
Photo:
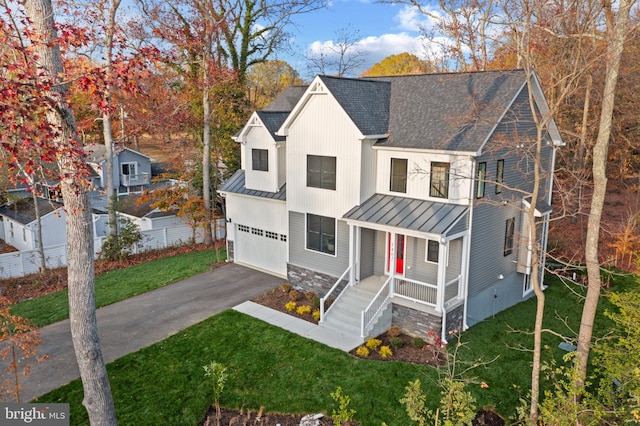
[382,30]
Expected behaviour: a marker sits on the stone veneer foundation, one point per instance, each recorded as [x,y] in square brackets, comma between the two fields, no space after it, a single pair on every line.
[306,279]
[230,257]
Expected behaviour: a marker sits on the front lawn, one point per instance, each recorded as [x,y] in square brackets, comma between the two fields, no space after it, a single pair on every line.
[282,372]
[119,284]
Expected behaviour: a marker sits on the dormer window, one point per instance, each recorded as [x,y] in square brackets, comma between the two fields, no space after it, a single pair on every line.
[260,159]
[439,180]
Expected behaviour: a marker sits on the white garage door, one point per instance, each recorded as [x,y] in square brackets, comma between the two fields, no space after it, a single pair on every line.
[262,249]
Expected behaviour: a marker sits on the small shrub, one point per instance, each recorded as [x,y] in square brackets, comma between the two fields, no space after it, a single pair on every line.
[417,342]
[315,302]
[396,342]
[316,315]
[343,413]
[285,288]
[362,351]
[290,306]
[394,331]
[385,352]
[310,295]
[373,343]
[294,295]
[303,310]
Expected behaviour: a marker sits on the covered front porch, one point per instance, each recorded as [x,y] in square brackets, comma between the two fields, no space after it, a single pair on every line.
[408,254]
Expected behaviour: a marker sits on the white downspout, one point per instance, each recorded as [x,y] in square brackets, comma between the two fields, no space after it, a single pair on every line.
[467,255]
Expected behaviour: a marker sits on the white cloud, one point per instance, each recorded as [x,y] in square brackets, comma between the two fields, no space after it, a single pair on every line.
[410,19]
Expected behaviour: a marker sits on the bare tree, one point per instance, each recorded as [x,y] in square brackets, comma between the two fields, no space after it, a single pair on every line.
[463,29]
[82,313]
[616,32]
[339,57]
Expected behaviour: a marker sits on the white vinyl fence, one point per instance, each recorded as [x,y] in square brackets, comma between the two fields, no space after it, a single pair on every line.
[21,263]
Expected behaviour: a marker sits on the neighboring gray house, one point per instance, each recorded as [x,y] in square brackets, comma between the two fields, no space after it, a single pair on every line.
[19,223]
[131,169]
[405,198]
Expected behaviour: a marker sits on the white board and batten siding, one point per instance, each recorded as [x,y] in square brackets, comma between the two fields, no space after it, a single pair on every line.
[323,129]
[260,232]
[258,137]
[419,174]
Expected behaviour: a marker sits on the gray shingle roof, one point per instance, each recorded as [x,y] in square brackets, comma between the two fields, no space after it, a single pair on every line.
[286,100]
[407,213]
[236,185]
[365,101]
[24,212]
[130,204]
[448,111]
[272,121]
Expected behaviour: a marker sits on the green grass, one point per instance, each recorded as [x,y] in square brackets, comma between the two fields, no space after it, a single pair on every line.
[270,367]
[119,285]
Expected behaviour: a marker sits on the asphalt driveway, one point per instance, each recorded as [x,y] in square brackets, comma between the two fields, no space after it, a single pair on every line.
[140,321]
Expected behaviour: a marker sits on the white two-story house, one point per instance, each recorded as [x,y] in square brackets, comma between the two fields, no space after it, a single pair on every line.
[412,191]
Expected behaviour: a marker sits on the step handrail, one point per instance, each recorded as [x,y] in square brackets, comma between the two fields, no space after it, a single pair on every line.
[377,303]
[326,296]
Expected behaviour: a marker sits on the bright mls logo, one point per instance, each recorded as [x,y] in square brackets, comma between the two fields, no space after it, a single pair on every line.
[34,414]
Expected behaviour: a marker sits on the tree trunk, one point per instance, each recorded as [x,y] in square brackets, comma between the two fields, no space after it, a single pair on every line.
[82,314]
[36,207]
[112,192]
[617,29]
[206,163]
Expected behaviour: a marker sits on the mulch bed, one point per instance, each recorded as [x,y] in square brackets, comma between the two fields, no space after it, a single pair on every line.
[230,417]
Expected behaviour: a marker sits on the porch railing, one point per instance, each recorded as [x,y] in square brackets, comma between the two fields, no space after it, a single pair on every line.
[379,301]
[330,292]
[452,289]
[131,180]
[417,291]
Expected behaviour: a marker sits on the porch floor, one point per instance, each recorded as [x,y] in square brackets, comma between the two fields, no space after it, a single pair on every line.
[372,284]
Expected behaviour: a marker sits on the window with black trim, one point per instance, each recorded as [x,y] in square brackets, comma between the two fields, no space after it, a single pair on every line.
[439,180]
[321,171]
[482,176]
[433,248]
[398,175]
[260,159]
[509,233]
[321,233]
[499,176]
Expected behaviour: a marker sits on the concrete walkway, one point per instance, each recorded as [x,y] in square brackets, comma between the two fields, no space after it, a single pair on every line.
[140,321]
[328,336]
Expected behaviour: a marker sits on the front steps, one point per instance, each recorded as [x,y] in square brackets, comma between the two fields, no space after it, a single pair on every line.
[344,317]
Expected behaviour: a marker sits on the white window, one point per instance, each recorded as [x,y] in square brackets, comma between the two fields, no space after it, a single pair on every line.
[433,248]
[130,169]
[321,233]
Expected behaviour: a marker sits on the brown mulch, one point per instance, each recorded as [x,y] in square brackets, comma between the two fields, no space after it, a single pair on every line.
[32,286]
[277,299]
[230,417]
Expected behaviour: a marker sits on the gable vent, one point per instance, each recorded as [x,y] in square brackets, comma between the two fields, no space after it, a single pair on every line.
[318,88]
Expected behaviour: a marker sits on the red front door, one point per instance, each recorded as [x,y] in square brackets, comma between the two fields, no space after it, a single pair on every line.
[399,249]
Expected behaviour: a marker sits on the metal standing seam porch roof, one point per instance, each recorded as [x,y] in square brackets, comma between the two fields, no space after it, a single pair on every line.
[236,185]
[407,213]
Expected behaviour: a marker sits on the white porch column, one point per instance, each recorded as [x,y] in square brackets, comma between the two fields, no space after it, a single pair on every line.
[352,256]
[357,254]
[442,274]
[392,261]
